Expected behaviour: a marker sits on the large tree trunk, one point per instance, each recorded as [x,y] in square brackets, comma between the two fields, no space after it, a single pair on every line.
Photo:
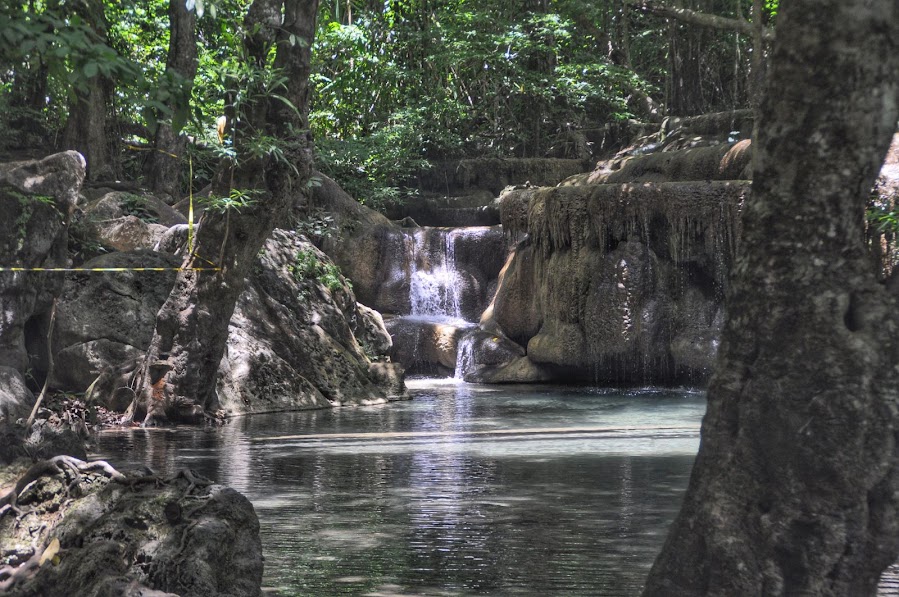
[178,378]
[88,128]
[164,165]
[794,490]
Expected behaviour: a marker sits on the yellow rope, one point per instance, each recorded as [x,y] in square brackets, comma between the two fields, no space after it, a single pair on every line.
[190,209]
[110,269]
[190,241]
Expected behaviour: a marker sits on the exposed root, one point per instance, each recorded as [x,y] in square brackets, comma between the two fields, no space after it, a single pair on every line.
[86,467]
[55,466]
[20,573]
[194,480]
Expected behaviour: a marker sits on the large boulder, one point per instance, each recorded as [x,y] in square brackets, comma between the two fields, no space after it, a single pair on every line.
[291,343]
[298,339]
[125,221]
[16,400]
[36,199]
[82,534]
[370,249]
[105,320]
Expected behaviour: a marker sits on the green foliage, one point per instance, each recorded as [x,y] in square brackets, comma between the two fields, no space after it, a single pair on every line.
[316,226]
[236,200]
[135,205]
[308,267]
[397,84]
[408,82]
[883,217]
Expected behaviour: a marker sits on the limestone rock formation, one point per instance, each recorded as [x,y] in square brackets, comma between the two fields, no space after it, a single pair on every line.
[478,208]
[426,346]
[484,357]
[386,262]
[724,161]
[104,321]
[617,282]
[291,343]
[459,177]
[364,244]
[126,221]
[37,198]
[294,341]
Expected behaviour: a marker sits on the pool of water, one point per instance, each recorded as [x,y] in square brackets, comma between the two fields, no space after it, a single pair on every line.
[465,490]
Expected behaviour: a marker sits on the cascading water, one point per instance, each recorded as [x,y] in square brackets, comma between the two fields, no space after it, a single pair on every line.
[449,273]
[464,355]
[435,286]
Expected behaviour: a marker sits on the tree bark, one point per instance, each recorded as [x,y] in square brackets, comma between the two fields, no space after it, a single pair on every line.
[164,165]
[795,488]
[177,381]
[88,128]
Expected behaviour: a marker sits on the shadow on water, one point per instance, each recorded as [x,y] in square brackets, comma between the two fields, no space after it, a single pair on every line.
[465,490]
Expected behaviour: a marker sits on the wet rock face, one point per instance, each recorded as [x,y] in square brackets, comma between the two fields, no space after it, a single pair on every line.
[451,269]
[36,200]
[133,535]
[426,346]
[400,270]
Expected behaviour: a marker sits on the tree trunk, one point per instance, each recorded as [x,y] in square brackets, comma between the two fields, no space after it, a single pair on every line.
[794,490]
[88,128]
[165,163]
[177,381]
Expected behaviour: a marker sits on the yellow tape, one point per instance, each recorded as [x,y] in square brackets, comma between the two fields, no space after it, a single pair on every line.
[190,209]
[190,239]
[110,269]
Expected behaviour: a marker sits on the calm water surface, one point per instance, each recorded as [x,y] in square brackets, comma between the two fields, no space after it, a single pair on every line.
[465,490]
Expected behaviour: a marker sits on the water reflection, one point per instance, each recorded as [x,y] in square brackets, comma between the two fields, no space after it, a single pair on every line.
[490,491]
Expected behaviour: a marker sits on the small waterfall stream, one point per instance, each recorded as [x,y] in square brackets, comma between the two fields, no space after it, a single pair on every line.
[451,274]
[435,286]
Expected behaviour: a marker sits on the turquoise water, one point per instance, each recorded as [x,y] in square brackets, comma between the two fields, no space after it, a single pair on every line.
[465,490]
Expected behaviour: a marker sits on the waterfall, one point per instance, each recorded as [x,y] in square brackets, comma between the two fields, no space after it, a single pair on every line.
[448,275]
[435,286]
[464,356]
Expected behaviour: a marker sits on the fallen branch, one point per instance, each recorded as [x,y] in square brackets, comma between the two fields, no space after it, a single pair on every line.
[703,19]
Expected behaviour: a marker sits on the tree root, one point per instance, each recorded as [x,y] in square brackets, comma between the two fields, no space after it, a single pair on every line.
[56,466]
[194,480]
[22,572]
[74,469]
